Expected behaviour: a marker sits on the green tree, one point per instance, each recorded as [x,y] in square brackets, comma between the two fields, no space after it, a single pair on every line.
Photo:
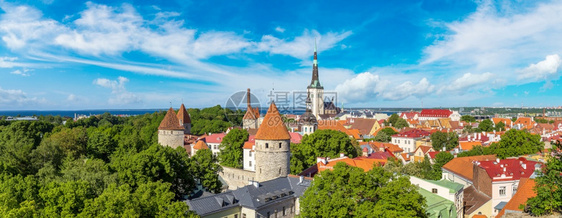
[441,159]
[206,169]
[468,118]
[321,143]
[500,126]
[486,125]
[151,199]
[100,145]
[382,137]
[348,191]
[157,163]
[232,148]
[94,171]
[549,192]
[448,140]
[518,142]
[393,119]
[401,123]
[65,199]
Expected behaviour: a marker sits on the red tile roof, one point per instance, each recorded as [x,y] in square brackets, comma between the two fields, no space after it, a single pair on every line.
[474,137]
[170,121]
[413,133]
[524,192]
[272,127]
[409,115]
[432,154]
[462,166]
[183,116]
[215,138]
[295,137]
[508,169]
[435,113]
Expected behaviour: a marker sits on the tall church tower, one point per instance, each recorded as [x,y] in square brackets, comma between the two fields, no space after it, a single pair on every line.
[273,151]
[316,90]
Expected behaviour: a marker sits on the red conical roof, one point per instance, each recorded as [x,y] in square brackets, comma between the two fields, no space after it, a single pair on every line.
[170,121]
[272,127]
[183,116]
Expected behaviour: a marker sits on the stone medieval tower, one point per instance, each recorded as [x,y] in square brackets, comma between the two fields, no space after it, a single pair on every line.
[252,116]
[272,147]
[184,119]
[170,132]
[315,89]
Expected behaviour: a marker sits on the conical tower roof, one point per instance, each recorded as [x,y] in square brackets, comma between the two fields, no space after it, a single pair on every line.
[272,127]
[170,121]
[183,116]
[200,145]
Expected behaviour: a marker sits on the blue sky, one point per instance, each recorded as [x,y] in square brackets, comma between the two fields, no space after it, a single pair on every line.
[65,54]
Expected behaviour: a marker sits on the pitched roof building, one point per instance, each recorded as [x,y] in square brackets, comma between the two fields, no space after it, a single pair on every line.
[273,127]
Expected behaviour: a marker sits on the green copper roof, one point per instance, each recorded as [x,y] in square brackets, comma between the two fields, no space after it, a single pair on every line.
[315,84]
[452,186]
[438,206]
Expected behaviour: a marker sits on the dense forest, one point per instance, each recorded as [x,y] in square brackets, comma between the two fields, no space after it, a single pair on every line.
[102,166]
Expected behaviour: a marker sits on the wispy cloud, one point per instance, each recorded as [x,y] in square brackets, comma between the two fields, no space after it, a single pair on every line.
[119,94]
[10,98]
[20,72]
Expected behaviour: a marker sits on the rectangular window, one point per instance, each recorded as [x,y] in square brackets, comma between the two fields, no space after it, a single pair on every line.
[235,215]
[250,163]
[284,211]
[279,145]
[502,190]
[434,190]
[514,190]
[266,145]
[250,153]
[268,215]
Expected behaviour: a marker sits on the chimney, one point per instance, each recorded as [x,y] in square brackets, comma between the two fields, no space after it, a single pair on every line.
[497,160]
[248,98]
[321,159]
[301,178]
[524,166]
[342,155]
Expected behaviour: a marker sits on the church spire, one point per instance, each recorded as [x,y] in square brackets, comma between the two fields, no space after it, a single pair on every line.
[315,82]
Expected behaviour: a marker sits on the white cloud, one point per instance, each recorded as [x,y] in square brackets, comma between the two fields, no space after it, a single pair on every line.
[119,94]
[21,25]
[368,86]
[543,70]
[499,37]
[467,81]
[20,72]
[279,29]
[301,46]
[15,97]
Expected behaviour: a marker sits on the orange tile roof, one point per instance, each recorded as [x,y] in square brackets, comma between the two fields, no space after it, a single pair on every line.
[272,127]
[425,149]
[469,145]
[355,133]
[463,165]
[527,122]
[252,113]
[183,116]
[479,216]
[394,148]
[364,163]
[200,145]
[506,121]
[170,121]
[249,145]
[524,192]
